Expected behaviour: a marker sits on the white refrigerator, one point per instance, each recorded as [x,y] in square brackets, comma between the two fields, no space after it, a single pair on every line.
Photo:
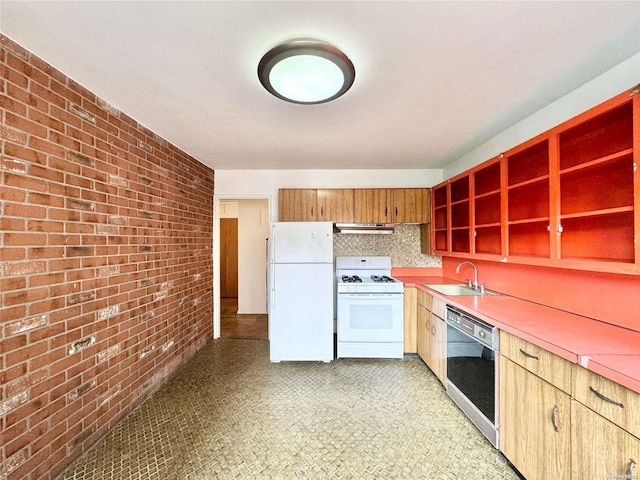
[301,292]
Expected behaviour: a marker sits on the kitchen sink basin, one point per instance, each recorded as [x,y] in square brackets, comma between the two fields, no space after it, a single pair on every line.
[457,290]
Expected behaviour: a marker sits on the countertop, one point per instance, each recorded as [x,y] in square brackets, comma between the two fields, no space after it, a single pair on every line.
[611,351]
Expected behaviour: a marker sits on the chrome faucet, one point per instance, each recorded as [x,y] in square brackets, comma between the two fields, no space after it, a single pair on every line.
[475,284]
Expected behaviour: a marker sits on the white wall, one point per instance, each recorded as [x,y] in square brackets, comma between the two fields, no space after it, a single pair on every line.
[623,76]
[253,183]
[253,230]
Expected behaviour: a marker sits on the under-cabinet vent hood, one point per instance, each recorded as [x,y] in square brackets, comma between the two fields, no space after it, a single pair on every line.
[360,228]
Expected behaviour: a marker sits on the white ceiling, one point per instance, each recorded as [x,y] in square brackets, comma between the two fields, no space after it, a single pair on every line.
[433,79]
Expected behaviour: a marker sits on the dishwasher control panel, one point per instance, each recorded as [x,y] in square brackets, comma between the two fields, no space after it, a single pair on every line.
[472,326]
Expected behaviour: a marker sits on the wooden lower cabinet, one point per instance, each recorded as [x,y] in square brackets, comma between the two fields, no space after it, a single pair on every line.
[601,449]
[424,326]
[410,320]
[431,337]
[535,424]
[438,348]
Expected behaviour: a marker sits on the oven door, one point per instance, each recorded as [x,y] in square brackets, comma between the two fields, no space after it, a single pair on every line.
[370,317]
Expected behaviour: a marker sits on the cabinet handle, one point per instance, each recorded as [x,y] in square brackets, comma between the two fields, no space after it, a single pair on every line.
[433,330]
[321,212]
[630,467]
[529,355]
[554,414]
[312,211]
[396,211]
[386,211]
[606,399]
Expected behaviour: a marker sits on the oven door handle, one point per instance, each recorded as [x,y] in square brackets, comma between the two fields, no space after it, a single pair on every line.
[368,296]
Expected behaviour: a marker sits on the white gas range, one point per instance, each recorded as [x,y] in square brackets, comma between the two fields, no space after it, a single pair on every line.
[370,309]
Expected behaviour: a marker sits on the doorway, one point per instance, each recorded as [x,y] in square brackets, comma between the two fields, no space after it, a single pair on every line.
[242,298]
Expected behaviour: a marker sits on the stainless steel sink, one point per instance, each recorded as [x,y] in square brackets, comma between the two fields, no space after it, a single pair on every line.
[457,290]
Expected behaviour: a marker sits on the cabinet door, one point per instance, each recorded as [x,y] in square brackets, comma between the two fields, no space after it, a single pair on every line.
[535,426]
[438,348]
[297,205]
[372,205]
[335,205]
[410,319]
[599,448]
[410,205]
[424,327]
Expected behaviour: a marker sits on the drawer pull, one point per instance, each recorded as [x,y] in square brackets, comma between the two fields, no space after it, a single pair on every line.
[528,355]
[554,414]
[632,465]
[606,399]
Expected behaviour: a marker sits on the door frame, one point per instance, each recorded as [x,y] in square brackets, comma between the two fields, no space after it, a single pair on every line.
[216,249]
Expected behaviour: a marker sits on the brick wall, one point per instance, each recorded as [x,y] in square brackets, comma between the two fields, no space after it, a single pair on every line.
[105,274]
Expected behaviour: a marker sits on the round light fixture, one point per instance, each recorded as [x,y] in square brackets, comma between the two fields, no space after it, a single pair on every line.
[306,71]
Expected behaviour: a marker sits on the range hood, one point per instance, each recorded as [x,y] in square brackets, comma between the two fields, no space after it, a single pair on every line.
[360,228]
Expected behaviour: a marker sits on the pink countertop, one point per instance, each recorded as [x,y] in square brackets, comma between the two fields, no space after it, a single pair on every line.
[611,351]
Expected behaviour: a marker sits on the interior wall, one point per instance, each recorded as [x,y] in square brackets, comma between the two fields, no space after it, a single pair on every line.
[253,231]
[106,272]
[622,77]
[611,298]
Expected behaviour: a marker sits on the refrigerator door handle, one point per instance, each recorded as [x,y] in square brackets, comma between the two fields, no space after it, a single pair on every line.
[273,283]
[266,275]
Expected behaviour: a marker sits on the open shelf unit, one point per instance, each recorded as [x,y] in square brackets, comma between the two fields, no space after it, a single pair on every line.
[440,218]
[570,197]
[487,207]
[460,216]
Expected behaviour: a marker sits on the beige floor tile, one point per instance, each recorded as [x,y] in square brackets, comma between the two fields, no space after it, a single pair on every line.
[231,414]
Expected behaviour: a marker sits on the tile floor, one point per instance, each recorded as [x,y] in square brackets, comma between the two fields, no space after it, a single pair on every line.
[231,414]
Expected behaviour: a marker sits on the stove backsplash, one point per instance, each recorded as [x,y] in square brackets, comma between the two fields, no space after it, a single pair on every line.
[403,246]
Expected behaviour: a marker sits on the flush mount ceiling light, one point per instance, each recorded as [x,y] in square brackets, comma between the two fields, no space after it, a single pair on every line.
[306,71]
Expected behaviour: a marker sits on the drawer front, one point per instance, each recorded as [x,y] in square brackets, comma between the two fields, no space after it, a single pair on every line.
[425,300]
[614,402]
[433,304]
[555,370]
[439,308]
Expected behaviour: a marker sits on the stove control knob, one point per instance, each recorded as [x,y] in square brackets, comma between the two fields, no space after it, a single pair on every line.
[482,334]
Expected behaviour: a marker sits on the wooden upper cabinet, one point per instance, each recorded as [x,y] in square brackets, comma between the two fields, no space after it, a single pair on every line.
[372,205]
[297,205]
[410,205]
[360,205]
[335,205]
[392,205]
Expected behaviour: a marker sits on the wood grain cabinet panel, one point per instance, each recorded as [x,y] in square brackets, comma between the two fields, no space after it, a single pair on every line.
[297,205]
[411,205]
[410,320]
[335,205]
[601,449]
[555,370]
[611,400]
[372,205]
[432,335]
[535,424]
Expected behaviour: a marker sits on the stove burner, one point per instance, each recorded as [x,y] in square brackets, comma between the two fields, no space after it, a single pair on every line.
[351,279]
[382,279]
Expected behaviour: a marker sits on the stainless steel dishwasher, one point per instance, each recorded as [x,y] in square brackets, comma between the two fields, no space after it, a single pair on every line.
[472,370]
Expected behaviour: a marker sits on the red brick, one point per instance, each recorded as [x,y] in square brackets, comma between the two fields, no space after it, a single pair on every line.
[23,125]
[151,224]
